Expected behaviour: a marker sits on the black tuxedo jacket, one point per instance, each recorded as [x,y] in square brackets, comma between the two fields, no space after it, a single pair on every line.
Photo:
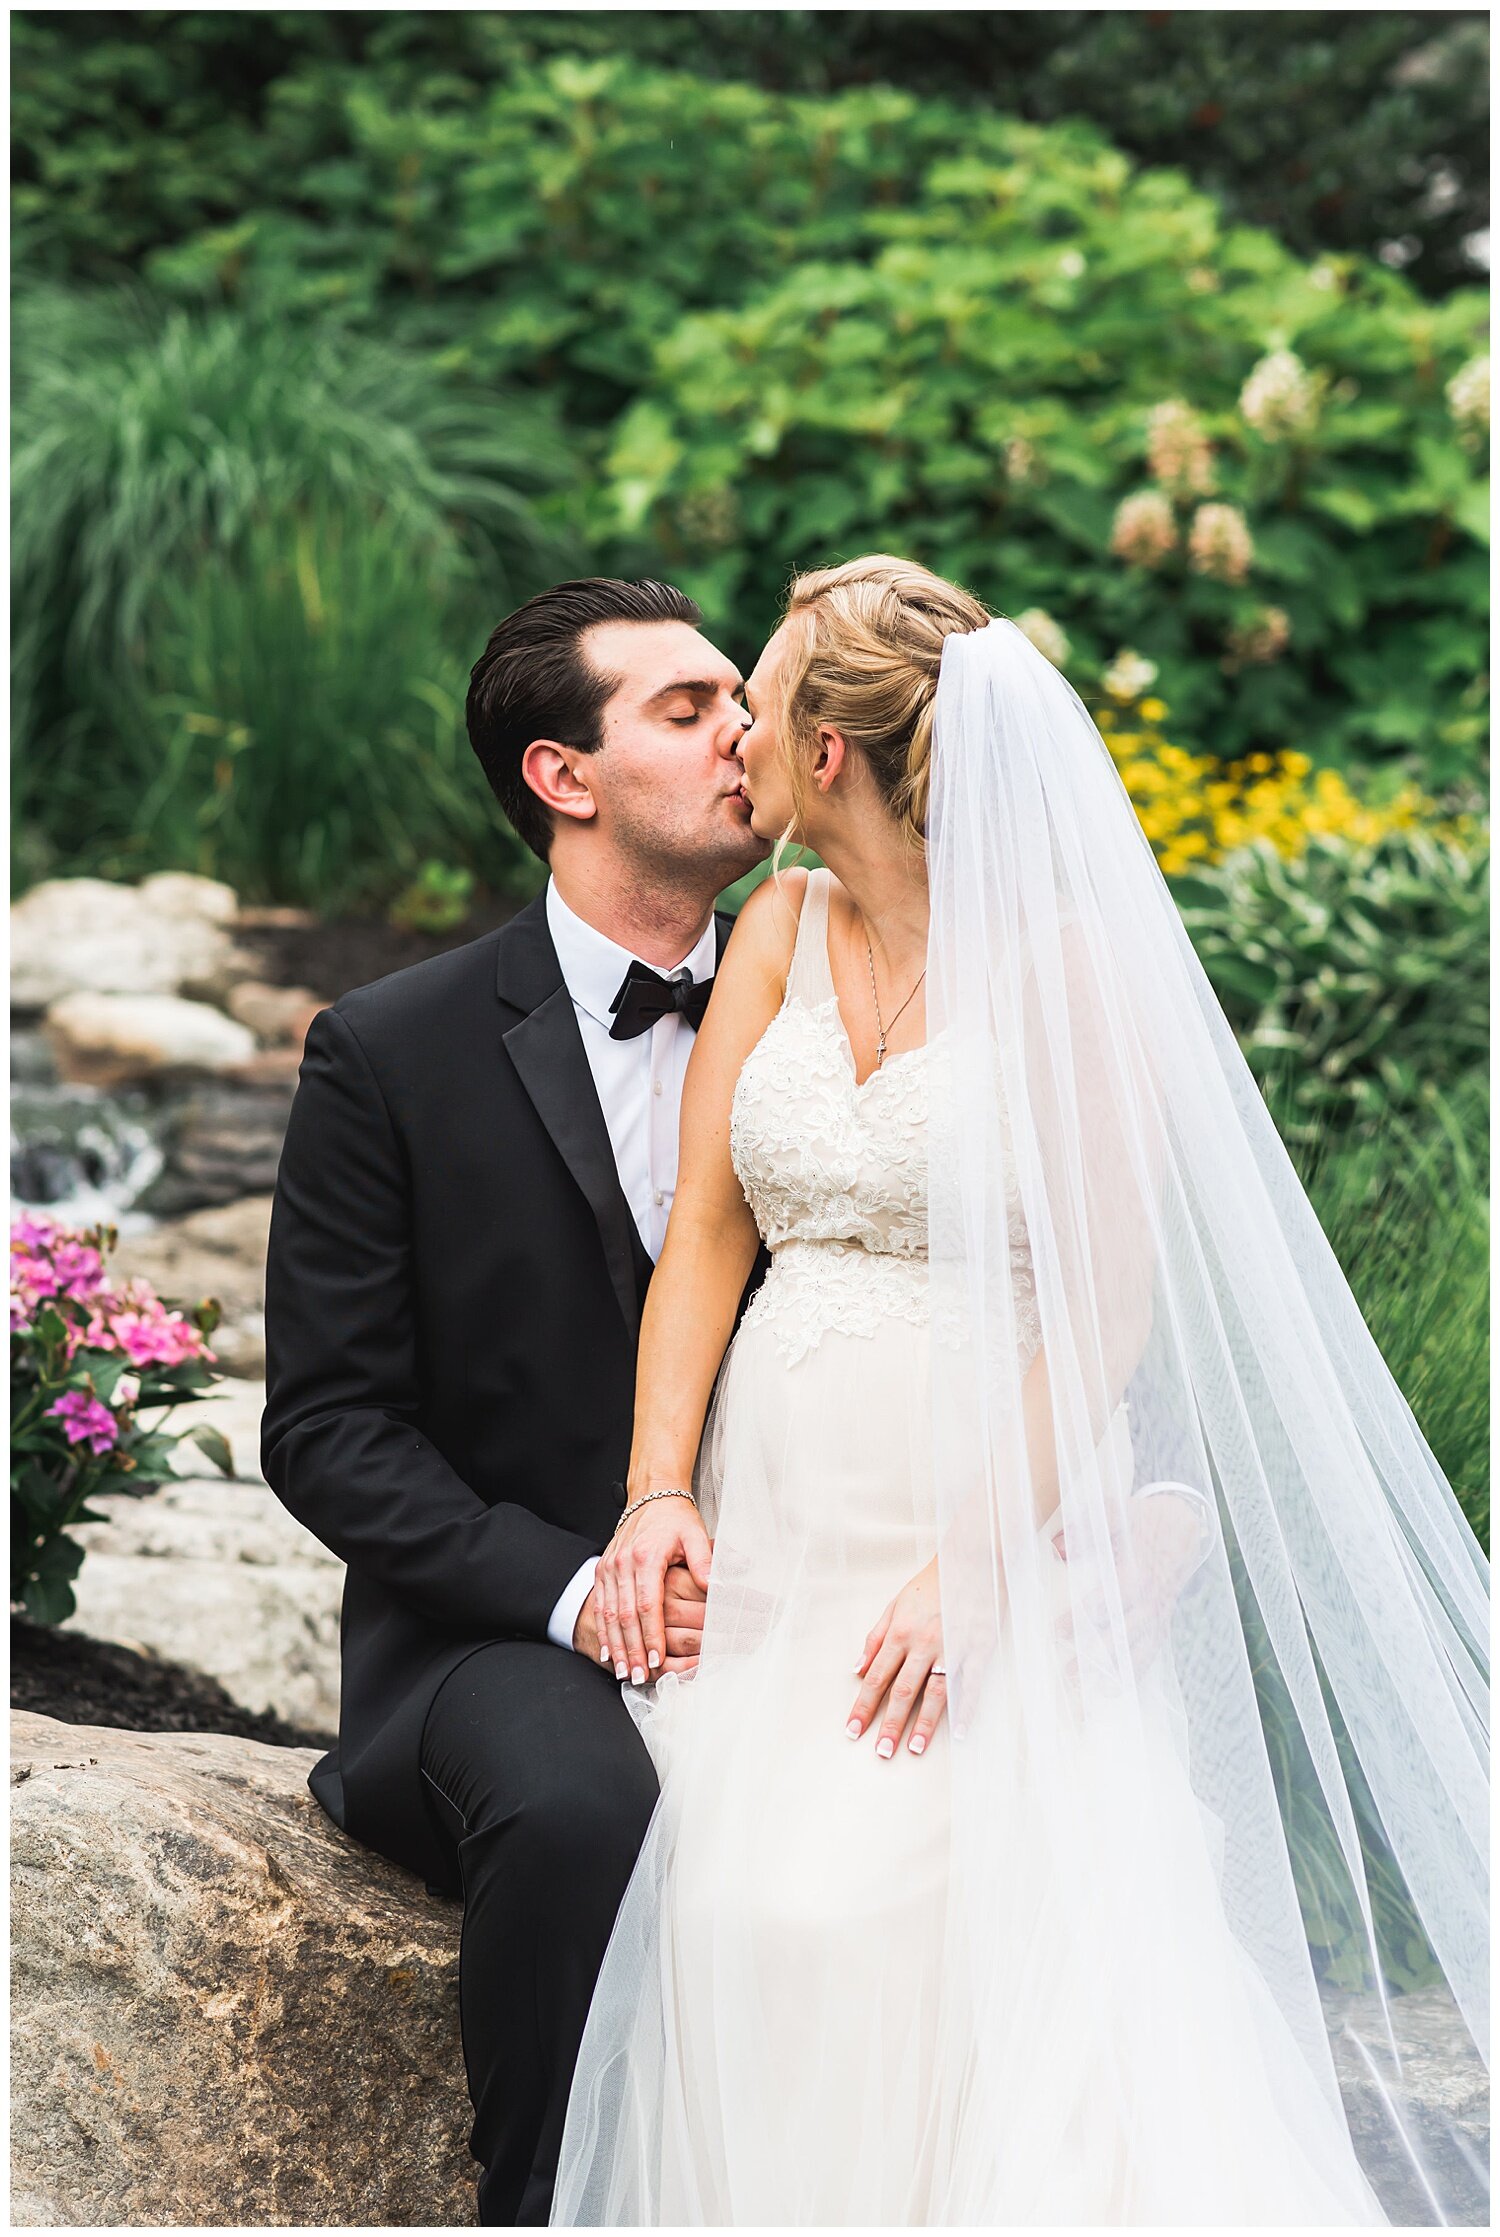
[453,1296]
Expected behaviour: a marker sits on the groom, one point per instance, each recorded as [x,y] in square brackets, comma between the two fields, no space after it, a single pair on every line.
[474,1187]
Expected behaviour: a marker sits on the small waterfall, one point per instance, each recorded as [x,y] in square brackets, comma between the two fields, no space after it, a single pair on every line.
[79,1154]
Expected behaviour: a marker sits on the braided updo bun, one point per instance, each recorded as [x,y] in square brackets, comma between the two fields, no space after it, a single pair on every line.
[864,643]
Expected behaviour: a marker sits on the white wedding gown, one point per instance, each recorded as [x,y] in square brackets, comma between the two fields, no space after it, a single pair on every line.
[781,2032]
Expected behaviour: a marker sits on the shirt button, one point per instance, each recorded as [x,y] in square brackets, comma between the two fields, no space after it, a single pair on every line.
[660,1198]
[656,1087]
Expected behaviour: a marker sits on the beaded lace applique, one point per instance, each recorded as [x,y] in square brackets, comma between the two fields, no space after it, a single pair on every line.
[835,1171]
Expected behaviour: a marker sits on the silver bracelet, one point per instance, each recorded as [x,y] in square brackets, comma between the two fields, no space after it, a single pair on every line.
[673,1493]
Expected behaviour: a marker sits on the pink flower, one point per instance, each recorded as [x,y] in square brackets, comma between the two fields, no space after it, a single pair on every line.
[165,1339]
[35,1275]
[31,1234]
[79,1269]
[97,1335]
[86,1420]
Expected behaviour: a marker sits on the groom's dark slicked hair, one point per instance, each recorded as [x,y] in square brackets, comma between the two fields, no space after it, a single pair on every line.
[533,680]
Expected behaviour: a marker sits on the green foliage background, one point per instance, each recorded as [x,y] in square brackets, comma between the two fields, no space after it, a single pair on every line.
[737,329]
[1335,130]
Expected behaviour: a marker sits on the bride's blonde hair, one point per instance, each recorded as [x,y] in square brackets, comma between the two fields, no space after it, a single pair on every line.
[864,642]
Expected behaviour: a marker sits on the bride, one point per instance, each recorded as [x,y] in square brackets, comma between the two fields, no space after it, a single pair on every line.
[1077,1810]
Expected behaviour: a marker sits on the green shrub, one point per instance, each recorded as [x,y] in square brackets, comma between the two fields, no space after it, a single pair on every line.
[785,328]
[437,900]
[974,384]
[1356,977]
[252,566]
[137,128]
[1407,1213]
[775,329]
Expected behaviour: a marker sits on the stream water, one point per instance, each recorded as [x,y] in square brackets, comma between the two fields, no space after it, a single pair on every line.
[80,1154]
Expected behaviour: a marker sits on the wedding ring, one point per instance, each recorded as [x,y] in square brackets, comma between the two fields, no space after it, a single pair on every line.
[940,1670]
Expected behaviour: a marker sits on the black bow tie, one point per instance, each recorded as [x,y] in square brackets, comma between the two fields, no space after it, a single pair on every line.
[645,996]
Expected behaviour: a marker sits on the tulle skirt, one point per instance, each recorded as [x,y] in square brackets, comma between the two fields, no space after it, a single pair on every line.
[806,2013]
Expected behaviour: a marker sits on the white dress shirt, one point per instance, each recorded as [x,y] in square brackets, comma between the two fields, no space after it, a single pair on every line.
[639,1085]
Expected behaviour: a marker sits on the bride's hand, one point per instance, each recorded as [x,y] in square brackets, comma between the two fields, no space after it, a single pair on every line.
[901,1656]
[629,1583]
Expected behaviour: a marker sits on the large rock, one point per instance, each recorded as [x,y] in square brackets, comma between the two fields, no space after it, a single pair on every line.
[189,898]
[1439,2093]
[107,1040]
[224,1142]
[278,1016]
[85,935]
[218,1252]
[224,2013]
[219,1577]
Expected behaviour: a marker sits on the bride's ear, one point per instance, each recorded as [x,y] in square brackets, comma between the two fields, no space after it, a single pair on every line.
[832,751]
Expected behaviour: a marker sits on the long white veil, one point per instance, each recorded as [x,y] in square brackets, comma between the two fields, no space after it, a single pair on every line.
[1215,1623]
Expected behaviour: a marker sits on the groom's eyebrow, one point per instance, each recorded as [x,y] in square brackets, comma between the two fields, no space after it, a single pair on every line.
[700,687]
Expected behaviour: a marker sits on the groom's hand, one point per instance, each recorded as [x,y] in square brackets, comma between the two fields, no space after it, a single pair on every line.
[683,1603]
[682,1608]
[630,1583]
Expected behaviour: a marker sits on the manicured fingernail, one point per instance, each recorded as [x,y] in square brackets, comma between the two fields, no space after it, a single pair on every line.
[854,1728]
[885,1747]
[653,1658]
[859,1667]
[619,1669]
[918,1745]
[638,1677]
[604,1654]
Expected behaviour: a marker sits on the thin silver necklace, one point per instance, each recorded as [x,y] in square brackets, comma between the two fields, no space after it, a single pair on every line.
[880,1022]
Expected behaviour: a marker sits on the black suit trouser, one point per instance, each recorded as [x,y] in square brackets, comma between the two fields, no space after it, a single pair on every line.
[542,1788]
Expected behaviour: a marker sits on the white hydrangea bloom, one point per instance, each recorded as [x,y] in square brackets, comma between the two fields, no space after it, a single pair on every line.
[1468,395]
[1280,398]
[1220,543]
[1145,529]
[1179,450]
[1049,637]
[1128,675]
[1020,459]
[1262,640]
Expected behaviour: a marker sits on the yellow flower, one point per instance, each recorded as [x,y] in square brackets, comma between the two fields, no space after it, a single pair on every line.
[1194,808]
[1153,709]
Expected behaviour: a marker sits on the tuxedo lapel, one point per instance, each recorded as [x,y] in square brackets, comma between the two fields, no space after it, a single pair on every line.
[547,1051]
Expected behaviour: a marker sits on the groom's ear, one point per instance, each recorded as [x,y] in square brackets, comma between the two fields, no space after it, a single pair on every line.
[551,771]
[831,753]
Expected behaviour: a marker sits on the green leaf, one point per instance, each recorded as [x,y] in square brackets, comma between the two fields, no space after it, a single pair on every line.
[1345,503]
[214,1443]
[48,1599]
[1471,511]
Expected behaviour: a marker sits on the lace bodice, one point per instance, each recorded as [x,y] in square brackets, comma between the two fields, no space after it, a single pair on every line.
[835,1168]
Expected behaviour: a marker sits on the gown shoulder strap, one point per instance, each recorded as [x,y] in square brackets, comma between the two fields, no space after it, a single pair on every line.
[810,978]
